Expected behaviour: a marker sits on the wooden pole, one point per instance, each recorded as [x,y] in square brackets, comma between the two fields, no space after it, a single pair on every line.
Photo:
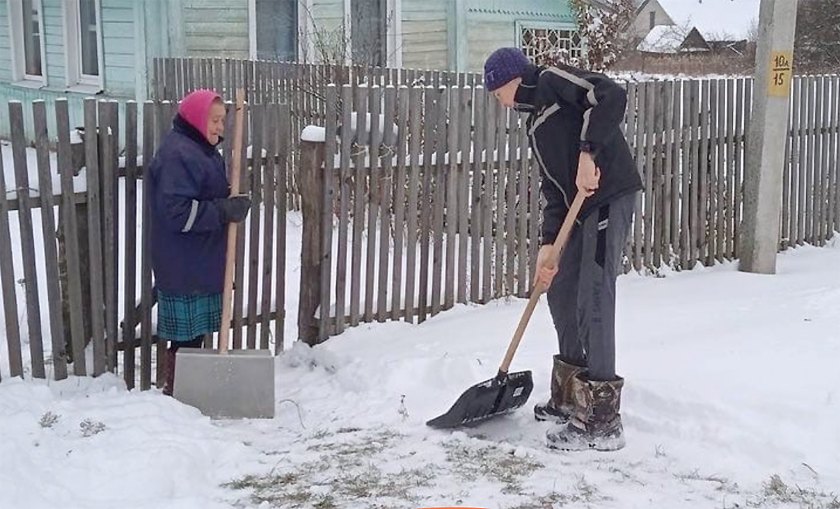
[230,261]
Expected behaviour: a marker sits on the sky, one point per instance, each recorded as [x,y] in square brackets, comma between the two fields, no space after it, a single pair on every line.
[716,17]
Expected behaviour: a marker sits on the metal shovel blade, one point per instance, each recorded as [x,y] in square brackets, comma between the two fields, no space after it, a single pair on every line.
[491,398]
[236,384]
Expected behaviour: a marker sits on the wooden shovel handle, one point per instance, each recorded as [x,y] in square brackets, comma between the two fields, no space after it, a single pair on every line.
[559,244]
[230,258]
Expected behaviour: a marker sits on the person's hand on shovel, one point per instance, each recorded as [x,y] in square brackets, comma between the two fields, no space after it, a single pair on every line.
[588,174]
[546,268]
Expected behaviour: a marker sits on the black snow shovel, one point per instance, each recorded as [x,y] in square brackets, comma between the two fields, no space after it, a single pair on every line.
[507,391]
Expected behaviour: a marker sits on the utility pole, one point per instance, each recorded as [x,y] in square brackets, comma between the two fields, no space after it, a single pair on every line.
[767,134]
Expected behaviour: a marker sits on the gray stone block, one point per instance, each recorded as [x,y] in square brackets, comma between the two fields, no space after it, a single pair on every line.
[237,384]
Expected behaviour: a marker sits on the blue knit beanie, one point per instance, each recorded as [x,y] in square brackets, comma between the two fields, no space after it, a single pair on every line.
[502,66]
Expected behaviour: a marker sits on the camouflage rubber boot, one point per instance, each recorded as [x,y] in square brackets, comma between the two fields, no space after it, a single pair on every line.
[558,408]
[596,421]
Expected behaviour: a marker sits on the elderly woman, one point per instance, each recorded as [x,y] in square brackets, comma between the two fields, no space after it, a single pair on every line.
[190,210]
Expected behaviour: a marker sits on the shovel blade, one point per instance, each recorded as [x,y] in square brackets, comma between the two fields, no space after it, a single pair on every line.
[486,400]
[237,384]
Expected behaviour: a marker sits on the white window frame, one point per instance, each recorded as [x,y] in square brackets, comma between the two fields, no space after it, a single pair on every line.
[16,33]
[73,47]
[303,21]
[393,33]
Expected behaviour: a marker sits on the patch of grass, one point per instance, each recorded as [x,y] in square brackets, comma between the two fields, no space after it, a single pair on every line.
[491,462]
[343,471]
[777,491]
[583,493]
[352,452]
[48,420]
[90,428]
[721,483]
[372,483]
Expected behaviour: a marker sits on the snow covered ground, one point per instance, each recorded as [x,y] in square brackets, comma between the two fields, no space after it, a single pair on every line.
[732,399]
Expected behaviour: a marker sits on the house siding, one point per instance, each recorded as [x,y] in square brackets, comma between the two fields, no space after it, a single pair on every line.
[494,24]
[5,43]
[56,64]
[119,47]
[425,29]
[216,28]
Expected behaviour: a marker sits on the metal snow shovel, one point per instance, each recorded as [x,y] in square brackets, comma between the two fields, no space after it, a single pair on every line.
[507,391]
[220,383]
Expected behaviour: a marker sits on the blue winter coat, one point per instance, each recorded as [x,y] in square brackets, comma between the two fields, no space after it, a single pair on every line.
[188,235]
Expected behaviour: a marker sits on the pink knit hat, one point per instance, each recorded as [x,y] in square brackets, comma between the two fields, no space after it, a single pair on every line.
[195,108]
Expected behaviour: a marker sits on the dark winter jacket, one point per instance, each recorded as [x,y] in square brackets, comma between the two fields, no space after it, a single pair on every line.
[188,234]
[571,108]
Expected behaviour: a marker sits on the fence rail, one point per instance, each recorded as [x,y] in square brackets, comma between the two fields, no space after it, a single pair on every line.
[97,255]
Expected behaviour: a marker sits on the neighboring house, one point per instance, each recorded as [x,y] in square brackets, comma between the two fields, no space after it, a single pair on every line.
[695,42]
[105,48]
[678,26]
[649,15]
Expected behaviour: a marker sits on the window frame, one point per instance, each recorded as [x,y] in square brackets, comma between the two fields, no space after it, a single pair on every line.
[73,46]
[18,44]
[303,20]
[531,24]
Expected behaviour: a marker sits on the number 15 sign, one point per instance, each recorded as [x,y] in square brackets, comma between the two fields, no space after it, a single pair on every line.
[780,74]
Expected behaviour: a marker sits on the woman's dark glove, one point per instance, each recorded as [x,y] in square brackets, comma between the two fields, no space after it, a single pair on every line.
[234,209]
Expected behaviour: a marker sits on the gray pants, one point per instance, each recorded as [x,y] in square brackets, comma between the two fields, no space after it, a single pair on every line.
[582,296]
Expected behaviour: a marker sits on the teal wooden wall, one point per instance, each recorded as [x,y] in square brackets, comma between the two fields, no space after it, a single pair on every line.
[5,44]
[215,28]
[426,31]
[490,24]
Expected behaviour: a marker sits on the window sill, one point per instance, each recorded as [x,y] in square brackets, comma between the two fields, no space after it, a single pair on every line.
[85,89]
[29,83]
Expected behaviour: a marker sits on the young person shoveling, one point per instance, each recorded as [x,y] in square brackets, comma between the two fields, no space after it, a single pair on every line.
[575,136]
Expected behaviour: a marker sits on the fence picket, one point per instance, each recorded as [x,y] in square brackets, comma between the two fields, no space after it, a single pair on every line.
[359,179]
[70,233]
[27,240]
[97,286]
[45,190]
[255,185]
[452,193]
[374,186]
[489,169]
[130,274]
[386,185]
[415,114]
[438,171]
[399,201]
[7,283]
[464,172]
[430,117]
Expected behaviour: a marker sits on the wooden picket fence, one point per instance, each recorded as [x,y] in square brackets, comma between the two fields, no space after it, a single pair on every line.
[437,202]
[104,238]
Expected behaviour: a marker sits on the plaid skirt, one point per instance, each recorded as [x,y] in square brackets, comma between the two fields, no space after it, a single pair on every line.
[186,317]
